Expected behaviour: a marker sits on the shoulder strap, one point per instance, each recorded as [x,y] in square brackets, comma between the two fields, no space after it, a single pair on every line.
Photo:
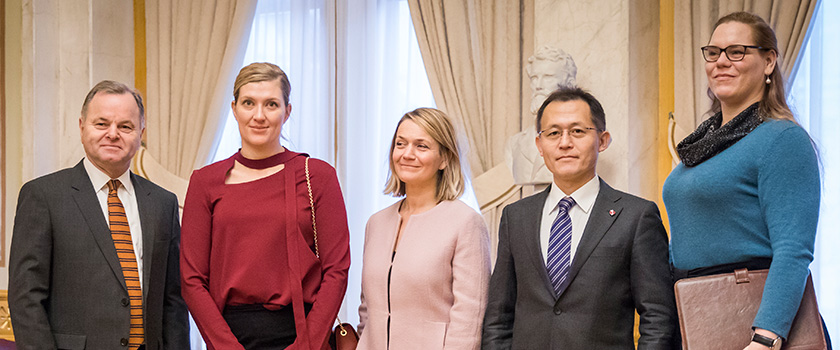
[343,331]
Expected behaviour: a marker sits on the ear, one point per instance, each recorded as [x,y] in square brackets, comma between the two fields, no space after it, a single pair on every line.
[444,161]
[539,146]
[770,62]
[288,113]
[604,141]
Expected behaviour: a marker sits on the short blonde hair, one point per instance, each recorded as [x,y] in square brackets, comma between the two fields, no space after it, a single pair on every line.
[450,182]
[258,72]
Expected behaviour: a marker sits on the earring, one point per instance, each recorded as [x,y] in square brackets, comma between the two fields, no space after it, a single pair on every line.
[767,81]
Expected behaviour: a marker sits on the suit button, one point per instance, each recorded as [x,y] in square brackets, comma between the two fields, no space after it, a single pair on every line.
[124,342]
[557,310]
[124,302]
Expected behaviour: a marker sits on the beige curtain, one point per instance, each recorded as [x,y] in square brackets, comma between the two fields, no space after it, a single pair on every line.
[693,21]
[474,52]
[194,49]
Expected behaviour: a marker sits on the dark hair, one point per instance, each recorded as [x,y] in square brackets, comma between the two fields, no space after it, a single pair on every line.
[262,71]
[574,93]
[773,104]
[114,88]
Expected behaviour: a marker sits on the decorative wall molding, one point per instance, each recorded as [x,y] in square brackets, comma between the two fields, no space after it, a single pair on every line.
[3,135]
[5,317]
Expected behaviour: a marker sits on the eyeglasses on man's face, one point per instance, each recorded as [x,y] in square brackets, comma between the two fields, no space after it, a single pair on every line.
[554,134]
[734,53]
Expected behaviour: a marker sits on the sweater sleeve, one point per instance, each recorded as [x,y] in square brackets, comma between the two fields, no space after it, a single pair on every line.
[195,267]
[789,196]
[334,249]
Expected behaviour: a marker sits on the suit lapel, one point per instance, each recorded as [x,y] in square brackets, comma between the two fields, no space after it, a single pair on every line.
[85,196]
[144,206]
[531,227]
[600,221]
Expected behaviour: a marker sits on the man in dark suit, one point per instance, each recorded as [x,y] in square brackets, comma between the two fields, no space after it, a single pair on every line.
[94,261]
[576,260]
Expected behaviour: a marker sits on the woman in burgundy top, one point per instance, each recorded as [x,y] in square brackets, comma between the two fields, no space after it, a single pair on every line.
[249,270]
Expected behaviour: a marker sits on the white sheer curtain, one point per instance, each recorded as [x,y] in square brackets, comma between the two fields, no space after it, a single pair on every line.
[815,98]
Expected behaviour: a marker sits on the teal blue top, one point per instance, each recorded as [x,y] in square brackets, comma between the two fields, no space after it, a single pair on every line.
[758,198]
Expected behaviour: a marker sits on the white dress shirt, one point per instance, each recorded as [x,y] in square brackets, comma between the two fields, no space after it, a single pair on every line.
[579,213]
[128,197]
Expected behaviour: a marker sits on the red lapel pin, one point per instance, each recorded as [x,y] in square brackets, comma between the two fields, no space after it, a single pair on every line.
[612,212]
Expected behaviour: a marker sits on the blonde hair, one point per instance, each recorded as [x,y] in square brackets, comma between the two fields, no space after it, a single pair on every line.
[450,182]
[262,71]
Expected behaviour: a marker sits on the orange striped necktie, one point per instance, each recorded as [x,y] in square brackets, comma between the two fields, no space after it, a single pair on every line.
[121,234]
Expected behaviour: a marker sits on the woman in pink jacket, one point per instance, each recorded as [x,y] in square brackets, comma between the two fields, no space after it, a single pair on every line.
[426,262]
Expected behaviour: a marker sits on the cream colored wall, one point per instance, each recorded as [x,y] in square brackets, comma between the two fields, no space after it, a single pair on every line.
[70,47]
[613,43]
[12,157]
[56,51]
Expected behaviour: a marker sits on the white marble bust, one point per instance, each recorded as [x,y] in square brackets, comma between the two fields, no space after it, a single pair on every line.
[549,69]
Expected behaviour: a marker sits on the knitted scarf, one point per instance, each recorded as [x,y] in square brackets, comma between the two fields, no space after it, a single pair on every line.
[711,138]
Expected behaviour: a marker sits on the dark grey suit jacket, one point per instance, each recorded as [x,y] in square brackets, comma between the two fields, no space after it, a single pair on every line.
[621,265]
[66,286]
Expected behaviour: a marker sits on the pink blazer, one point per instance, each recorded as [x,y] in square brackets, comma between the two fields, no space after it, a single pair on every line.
[438,281]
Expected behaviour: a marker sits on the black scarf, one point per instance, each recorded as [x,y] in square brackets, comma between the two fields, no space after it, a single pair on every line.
[710,138]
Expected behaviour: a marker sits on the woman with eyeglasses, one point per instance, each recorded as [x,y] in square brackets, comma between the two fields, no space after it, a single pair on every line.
[747,192]
[426,263]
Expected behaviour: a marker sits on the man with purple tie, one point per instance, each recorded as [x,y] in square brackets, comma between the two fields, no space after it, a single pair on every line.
[576,260]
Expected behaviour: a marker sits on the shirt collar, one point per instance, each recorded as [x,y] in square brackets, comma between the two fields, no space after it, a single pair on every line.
[584,196]
[99,179]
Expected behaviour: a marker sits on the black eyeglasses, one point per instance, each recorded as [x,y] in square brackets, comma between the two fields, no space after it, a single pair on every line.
[734,53]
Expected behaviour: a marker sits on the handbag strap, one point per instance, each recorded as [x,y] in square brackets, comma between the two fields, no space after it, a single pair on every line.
[312,207]
[315,228]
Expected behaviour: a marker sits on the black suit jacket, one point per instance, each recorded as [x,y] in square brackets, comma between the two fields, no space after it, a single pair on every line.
[66,286]
[621,265]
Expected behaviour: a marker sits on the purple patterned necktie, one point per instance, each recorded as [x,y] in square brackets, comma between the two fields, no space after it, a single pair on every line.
[560,245]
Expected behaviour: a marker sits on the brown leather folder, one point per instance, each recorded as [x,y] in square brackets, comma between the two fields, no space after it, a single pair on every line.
[716,312]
